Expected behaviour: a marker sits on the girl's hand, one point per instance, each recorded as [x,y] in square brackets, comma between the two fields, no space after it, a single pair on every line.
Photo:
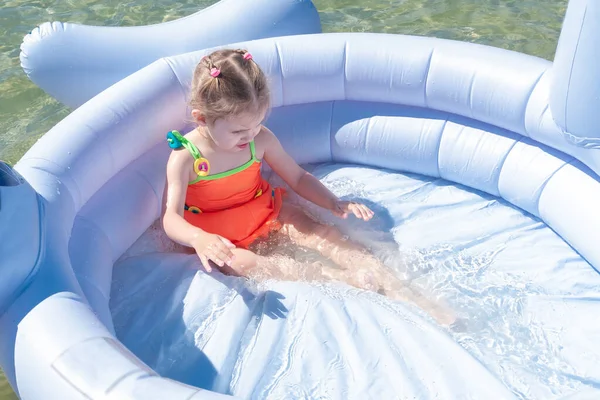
[343,208]
[213,247]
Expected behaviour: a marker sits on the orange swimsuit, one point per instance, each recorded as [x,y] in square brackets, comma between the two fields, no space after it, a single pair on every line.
[238,204]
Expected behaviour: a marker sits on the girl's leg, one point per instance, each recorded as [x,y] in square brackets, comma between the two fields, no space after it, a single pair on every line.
[251,265]
[245,262]
[331,243]
[360,268]
[305,231]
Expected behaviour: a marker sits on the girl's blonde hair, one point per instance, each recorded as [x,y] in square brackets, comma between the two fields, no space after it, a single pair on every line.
[228,82]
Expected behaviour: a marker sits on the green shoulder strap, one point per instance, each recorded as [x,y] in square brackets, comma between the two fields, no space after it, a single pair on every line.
[176,140]
[252,150]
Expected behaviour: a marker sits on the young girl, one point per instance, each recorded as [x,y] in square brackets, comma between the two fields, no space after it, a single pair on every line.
[218,203]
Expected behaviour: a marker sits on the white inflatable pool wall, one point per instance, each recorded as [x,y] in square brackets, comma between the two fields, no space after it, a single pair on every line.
[74,62]
[475,115]
[575,96]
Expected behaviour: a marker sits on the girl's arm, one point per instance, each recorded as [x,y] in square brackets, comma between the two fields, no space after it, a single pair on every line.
[175,226]
[304,183]
[208,246]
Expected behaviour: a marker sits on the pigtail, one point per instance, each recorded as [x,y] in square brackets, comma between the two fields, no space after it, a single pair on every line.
[213,71]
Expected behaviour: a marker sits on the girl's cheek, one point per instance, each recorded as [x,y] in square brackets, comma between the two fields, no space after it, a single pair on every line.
[255,132]
[226,140]
[231,141]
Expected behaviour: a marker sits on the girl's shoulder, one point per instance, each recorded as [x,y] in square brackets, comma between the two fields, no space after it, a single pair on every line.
[263,141]
[181,158]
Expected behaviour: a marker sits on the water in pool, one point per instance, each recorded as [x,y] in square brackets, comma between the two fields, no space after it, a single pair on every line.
[522,296]
[26,113]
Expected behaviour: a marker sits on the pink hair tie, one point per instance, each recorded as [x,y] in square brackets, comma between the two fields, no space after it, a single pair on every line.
[247,56]
[214,72]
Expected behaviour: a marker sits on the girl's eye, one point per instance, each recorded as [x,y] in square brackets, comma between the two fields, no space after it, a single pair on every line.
[259,126]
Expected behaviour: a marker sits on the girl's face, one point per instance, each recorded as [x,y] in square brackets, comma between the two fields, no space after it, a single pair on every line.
[235,132]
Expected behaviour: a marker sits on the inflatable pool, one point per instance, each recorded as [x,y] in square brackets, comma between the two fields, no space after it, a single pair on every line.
[480,163]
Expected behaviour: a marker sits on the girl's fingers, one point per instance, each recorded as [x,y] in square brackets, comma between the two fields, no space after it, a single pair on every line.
[224,254]
[361,211]
[227,243]
[205,263]
[226,250]
[367,214]
[357,210]
[214,257]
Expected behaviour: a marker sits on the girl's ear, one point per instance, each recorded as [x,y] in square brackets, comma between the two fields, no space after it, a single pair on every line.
[198,117]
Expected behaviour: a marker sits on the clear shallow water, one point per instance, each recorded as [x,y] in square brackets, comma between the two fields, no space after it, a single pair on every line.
[26,113]
[524,311]
[522,308]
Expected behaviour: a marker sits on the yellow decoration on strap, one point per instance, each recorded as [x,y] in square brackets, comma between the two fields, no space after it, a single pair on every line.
[201,166]
[195,210]
[258,193]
